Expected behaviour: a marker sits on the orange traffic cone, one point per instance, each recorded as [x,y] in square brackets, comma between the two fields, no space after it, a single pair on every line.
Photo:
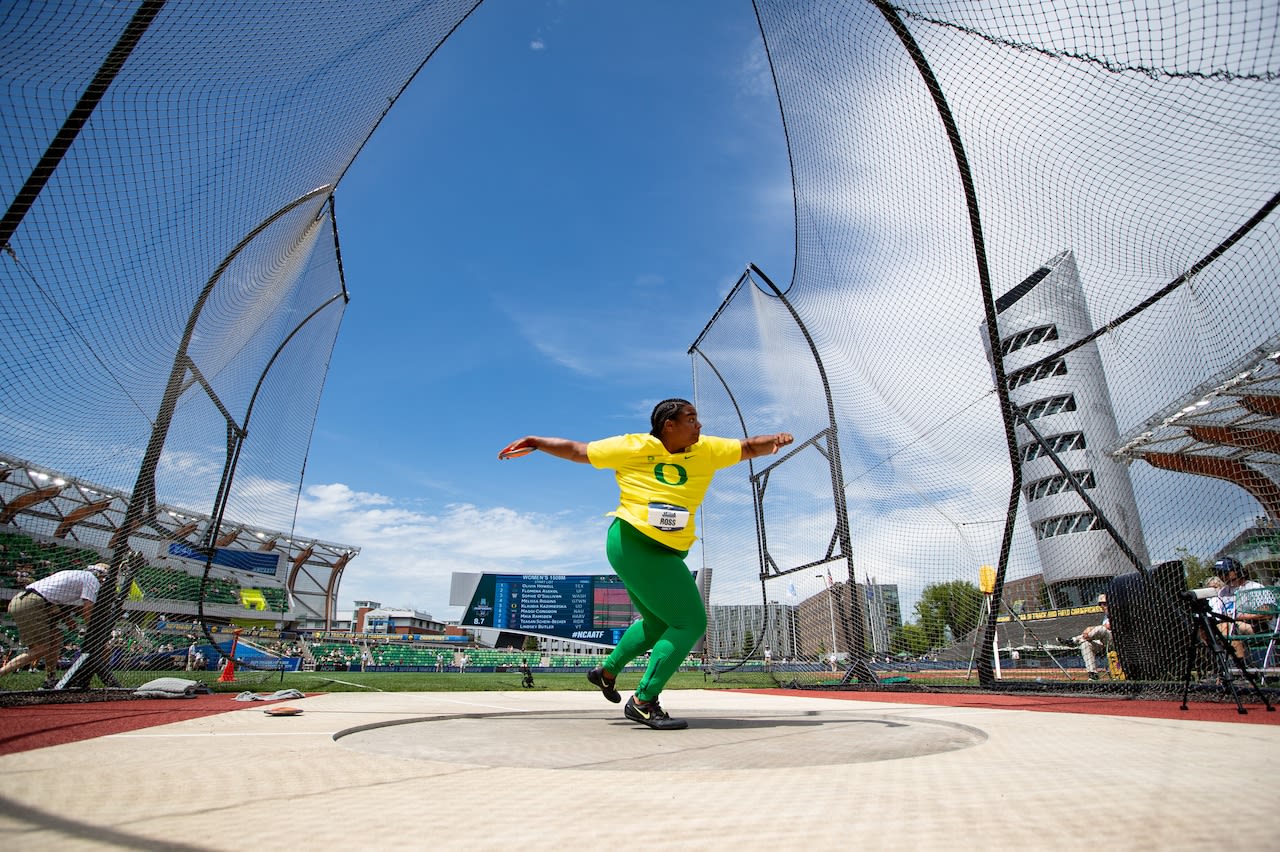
[229,670]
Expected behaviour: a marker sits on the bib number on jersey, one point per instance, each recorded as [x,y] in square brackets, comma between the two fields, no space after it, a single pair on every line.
[668,518]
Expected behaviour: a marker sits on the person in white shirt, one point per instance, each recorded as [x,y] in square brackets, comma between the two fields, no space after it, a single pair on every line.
[42,606]
[1234,580]
[1093,640]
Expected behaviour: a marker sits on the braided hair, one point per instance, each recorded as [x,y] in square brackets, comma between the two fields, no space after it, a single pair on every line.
[664,411]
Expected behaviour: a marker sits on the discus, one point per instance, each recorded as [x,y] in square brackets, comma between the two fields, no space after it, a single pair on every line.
[516,453]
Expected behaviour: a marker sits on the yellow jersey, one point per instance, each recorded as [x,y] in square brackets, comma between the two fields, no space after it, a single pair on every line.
[660,491]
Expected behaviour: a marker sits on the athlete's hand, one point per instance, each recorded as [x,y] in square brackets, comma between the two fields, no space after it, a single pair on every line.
[515,449]
[765,445]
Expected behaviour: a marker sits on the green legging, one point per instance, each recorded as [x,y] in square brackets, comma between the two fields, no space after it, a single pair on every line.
[662,590]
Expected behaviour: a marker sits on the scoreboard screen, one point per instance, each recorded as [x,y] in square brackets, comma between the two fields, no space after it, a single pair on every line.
[589,608]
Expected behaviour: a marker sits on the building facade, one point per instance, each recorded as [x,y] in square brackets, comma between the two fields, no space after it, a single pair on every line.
[1067,400]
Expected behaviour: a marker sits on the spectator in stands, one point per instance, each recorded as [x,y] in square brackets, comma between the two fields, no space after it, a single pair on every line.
[1094,640]
[439,662]
[43,606]
[1234,579]
[662,477]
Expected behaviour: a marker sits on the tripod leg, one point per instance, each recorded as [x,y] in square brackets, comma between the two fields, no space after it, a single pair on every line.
[1192,644]
[1223,656]
[1249,676]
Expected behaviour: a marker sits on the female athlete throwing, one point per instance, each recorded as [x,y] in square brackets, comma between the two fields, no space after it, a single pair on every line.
[663,477]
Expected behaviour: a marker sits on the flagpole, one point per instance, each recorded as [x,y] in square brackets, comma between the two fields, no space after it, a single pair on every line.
[831,607]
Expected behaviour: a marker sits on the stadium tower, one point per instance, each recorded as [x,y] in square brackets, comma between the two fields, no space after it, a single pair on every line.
[1067,401]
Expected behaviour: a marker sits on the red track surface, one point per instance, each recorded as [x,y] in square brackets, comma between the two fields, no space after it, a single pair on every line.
[40,725]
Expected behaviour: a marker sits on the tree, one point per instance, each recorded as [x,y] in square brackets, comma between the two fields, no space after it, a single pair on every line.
[531,643]
[910,638]
[1196,570]
[956,604]
[748,643]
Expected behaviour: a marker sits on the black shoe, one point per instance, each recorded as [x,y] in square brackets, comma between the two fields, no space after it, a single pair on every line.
[50,682]
[1093,675]
[607,686]
[649,713]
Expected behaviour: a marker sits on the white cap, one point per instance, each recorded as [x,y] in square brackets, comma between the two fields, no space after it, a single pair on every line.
[99,568]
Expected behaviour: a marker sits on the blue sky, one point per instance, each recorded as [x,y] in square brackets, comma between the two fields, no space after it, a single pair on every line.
[536,233]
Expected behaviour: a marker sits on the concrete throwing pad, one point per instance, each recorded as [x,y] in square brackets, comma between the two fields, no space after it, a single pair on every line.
[571,739]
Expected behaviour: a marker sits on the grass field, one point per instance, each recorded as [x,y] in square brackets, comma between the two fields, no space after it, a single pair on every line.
[406,681]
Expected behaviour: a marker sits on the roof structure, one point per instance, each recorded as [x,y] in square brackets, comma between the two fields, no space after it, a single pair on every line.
[1227,428]
[46,502]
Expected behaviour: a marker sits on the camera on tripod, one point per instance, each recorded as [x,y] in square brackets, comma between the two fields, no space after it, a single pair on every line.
[1198,598]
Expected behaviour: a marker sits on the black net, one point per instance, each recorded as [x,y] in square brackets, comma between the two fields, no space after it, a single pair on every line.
[1099,183]
[1031,324]
[173,288]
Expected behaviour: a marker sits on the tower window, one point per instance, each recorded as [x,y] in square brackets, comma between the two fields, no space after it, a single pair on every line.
[1049,406]
[1018,378]
[1065,442]
[1066,524]
[1058,483]
[1030,337]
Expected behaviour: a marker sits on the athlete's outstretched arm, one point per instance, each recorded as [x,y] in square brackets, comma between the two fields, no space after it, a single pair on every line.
[764,445]
[575,451]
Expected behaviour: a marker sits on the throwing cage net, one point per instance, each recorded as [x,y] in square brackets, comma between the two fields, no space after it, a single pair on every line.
[1028,350]
[173,288]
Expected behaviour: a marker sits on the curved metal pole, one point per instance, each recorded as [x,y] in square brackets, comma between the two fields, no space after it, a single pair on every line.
[235,438]
[1192,271]
[786,137]
[985,670]
[855,638]
[142,501]
[704,585]
[77,118]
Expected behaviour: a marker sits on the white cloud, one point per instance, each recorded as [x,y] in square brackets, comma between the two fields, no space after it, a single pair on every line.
[571,338]
[407,555]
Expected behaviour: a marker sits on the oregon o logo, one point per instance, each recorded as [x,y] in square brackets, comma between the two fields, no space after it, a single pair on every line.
[659,473]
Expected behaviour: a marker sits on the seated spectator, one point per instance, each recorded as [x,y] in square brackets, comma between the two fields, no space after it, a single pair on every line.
[1234,579]
[1094,640]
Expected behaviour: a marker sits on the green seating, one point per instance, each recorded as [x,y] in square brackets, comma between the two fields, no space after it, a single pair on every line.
[1264,605]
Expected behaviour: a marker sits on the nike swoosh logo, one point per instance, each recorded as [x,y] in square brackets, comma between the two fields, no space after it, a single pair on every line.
[643,713]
